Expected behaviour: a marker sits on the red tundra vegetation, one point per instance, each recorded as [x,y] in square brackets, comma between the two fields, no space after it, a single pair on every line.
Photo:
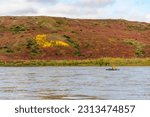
[87,39]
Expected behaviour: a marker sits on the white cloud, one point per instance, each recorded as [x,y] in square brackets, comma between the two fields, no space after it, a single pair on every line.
[99,3]
[71,11]
[148,16]
[25,11]
[43,1]
[74,9]
[16,7]
[48,7]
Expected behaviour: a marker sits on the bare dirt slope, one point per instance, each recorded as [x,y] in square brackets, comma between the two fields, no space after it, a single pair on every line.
[87,39]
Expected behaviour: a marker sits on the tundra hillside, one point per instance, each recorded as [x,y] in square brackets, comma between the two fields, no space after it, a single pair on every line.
[54,38]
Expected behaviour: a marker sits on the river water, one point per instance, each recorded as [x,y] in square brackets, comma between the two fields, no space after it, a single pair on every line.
[76,83]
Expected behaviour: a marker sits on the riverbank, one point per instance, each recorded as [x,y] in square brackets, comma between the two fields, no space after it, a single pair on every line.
[90,62]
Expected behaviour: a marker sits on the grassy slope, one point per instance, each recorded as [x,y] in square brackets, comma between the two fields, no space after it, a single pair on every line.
[87,62]
[88,39]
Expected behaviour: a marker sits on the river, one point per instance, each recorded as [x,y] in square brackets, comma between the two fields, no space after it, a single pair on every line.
[75,83]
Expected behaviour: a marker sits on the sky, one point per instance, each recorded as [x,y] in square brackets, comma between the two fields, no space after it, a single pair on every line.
[134,10]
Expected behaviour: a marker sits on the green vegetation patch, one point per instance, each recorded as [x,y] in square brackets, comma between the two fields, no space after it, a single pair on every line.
[92,62]
[2,28]
[6,49]
[138,27]
[32,46]
[73,44]
[60,21]
[139,46]
[45,22]
[18,28]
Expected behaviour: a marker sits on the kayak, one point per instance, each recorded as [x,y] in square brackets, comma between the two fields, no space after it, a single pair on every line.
[110,69]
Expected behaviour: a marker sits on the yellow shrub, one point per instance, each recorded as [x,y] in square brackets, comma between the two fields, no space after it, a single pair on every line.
[42,41]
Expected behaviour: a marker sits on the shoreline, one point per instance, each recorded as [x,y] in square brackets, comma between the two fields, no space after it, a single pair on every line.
[87,62]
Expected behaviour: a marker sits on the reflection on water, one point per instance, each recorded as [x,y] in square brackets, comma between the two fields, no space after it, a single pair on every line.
[74,83]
